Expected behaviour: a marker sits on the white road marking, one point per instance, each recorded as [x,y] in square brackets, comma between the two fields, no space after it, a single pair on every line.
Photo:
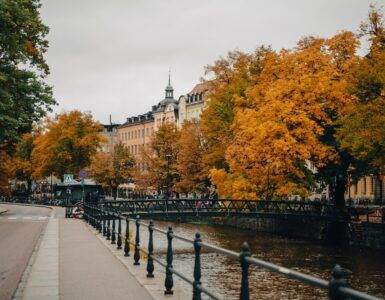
[32,218]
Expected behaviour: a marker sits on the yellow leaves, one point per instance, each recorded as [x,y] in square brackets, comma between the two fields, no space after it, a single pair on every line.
[66,145]
[280,115]
[190,165]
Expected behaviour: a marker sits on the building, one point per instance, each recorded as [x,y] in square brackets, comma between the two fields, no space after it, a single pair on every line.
[167,109]
[136,132]
[192,104]
[368,189]
[110,135]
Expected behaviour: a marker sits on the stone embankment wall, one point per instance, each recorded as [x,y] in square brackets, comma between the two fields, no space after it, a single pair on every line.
[308,229]
[371,235]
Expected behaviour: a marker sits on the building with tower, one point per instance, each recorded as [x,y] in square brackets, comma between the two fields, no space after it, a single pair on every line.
[167,109]
[193,103]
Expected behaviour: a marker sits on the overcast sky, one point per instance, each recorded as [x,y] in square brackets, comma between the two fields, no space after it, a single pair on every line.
[112,57]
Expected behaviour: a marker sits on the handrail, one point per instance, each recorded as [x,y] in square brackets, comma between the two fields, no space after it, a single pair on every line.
[100,218]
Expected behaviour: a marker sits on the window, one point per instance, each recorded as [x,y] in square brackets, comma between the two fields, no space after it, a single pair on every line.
[364,185]
[142,133]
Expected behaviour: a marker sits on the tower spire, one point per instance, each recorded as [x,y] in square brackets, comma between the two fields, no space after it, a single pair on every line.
[169,89]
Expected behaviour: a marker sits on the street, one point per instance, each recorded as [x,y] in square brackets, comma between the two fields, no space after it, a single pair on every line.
[20,228]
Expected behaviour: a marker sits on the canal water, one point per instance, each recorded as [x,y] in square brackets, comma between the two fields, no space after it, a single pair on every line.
[221,275]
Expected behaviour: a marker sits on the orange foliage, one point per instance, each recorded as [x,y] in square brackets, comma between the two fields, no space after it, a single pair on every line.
[66,145]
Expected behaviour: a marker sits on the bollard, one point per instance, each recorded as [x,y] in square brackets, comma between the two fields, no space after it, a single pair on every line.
[197,267]
[337,280]
[137,244]
[119,241]
[127,239]
[169,283]
[150,260]
[102,222]
[108,226]
[245,252]
[113,236]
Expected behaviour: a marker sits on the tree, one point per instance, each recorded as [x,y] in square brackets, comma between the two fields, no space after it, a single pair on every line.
[160,160]
[22,166]
[112,169]
[229,79]
[362,131]
[189,164]
[283,120]
[66,145]
[5,172]
[25,98]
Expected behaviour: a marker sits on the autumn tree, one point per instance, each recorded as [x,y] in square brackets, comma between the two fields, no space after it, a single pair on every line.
[22,165]
[66,144]
[25,97]
[228,80]
[159,159]
[285,120]
[189,164]
[112,169]
[362,131]
[5,173]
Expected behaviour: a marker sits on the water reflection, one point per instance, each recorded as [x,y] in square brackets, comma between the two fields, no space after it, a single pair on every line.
[222,274]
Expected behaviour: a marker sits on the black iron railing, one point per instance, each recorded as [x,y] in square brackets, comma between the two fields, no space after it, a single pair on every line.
[104,221]
[152,208]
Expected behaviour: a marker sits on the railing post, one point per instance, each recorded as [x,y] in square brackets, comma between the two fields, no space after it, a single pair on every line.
[108,226]
[113,236]
[100,220]
[150,260]
[104,224]
[245,252]
[337,280]
[197,267]
[119,241]
[137,244]
[169,283]
[127,239]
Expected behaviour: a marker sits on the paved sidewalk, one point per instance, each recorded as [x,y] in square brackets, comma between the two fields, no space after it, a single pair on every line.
[43,281]
[88,270]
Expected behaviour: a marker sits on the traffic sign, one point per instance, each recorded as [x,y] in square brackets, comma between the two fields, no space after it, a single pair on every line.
[68,177]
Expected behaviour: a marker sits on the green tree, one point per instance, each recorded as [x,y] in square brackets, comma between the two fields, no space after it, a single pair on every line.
[362,131]
[25,97]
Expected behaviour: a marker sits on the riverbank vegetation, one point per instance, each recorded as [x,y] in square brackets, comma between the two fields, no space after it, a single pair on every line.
[284,123]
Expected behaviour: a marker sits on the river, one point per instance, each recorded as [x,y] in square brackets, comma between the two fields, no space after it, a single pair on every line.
[221,275]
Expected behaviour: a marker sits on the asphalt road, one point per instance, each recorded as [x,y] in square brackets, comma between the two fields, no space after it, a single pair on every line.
[20,228]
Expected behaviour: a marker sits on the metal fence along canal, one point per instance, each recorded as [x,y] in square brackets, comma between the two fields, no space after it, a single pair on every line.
[109,223]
